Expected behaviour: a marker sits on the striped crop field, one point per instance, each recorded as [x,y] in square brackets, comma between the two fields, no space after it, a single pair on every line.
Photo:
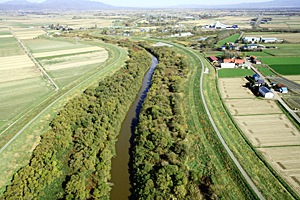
[65,61]
[28,33]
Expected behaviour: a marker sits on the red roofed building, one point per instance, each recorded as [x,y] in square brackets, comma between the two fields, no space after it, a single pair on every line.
[239,61]
[228,60]
[213,58]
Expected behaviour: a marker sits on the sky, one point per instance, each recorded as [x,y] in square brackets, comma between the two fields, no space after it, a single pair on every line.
[165,3]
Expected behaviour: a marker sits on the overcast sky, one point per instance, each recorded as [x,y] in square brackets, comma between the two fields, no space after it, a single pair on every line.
[165,3]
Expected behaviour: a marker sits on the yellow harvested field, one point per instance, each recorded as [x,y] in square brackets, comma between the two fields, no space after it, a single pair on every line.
[65,52]
[289,37]
[233,88]
[251,106]
[293,77]
[17,68]
[275,26]
[286,161]
[269,130]
[28,33]
[5,36]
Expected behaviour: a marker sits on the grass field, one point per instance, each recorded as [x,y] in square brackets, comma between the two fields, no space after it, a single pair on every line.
[251,53]
[285,50]
[232,38]
[283,65]
[226,73]
[265,71]
[10,47]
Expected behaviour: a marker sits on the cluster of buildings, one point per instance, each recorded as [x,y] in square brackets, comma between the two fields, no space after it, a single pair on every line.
[219,25]
[232,63]
[182,34]
[260,40]
[255,60]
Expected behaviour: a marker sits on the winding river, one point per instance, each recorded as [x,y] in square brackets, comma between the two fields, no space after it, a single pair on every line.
[119,172]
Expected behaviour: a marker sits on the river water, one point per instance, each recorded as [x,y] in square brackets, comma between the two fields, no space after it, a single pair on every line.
[119,172]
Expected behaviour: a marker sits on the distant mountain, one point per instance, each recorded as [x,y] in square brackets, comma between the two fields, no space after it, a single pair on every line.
[267,4]
[56,5]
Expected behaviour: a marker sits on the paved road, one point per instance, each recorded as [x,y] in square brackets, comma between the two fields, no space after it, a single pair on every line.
[29,123]
[245,175]
[257,23]
[34,61]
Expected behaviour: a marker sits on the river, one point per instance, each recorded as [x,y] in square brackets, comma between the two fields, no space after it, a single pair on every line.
[119,172]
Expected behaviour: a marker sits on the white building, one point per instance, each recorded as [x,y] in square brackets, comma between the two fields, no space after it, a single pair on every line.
[227,65]
[251,39]
[265,92]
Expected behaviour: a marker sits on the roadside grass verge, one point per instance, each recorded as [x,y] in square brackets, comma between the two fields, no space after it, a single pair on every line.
[231,73]
[17,154]
[256,167]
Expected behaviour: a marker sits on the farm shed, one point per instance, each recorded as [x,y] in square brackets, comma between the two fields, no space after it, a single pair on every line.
[257,62]
[283,90]
[265,92]
[212,58]
[227,65]
[255,76]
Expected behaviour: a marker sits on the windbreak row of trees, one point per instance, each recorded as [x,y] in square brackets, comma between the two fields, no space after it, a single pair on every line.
[73,159]
[160,147]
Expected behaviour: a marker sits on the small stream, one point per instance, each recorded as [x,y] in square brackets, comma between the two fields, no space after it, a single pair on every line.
[119,172]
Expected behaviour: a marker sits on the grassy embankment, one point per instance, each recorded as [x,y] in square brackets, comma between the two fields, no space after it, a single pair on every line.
[18,153]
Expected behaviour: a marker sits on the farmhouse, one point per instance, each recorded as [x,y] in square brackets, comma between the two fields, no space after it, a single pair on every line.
[265,92]
[213,58]
[227,65]
[251,39]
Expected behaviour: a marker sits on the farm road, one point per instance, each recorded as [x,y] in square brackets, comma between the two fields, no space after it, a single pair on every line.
[29,123]
[244,174]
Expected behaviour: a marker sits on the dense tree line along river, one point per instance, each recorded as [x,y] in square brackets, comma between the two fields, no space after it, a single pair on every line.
[119,172]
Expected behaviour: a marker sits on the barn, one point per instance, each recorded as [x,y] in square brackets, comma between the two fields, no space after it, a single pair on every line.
[265,92]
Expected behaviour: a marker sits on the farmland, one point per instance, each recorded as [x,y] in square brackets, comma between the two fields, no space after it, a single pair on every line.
[224,73]
[283,65]
[285,50]
[21,83]
[27,33]
[234,88]
[66,61]
[265,125]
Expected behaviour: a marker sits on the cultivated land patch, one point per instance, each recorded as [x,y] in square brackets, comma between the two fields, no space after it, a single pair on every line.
[266,71]
[269,130]
[224,73]
[17,96]
[10,47]
[232,38]
[66,52]
[28,33]
[283,65]
[295,78]
[251,106]
[285,50]
[234,88]
[265,125]
[14,68]
[286,161]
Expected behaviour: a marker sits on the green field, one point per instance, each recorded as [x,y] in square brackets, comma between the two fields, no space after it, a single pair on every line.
[232,38]
[10,47]
[214,53]
[285,50]
[283,65]
[265,71]
[226,73]
[251,53]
